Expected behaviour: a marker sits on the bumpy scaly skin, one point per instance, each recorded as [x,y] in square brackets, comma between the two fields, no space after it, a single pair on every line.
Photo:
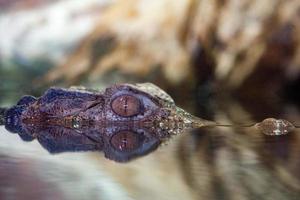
[124,121]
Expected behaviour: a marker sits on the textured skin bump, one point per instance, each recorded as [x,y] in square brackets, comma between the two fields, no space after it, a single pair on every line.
[26,100]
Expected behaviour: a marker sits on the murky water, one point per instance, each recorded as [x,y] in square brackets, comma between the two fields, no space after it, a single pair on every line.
[207,163]
[71,159]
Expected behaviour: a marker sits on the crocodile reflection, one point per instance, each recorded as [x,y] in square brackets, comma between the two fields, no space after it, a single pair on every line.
[125,121]
[119,143]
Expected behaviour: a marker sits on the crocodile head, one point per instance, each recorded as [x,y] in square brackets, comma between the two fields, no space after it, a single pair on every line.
[124,121]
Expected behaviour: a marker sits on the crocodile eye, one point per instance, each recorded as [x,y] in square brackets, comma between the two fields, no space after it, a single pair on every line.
[126,105]
[125,141]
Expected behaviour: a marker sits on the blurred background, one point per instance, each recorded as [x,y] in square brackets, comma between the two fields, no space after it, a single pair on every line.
[235,61]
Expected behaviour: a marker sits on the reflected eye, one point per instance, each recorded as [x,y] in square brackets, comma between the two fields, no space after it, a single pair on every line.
[126,105]
[125,141]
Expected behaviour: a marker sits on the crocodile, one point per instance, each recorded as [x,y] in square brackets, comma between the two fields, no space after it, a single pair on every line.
[124,121]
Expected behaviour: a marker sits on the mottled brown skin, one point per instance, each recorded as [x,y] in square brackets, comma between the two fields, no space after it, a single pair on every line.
[124,121]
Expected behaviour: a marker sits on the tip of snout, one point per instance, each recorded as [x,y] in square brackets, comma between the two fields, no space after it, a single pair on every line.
[12,119]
